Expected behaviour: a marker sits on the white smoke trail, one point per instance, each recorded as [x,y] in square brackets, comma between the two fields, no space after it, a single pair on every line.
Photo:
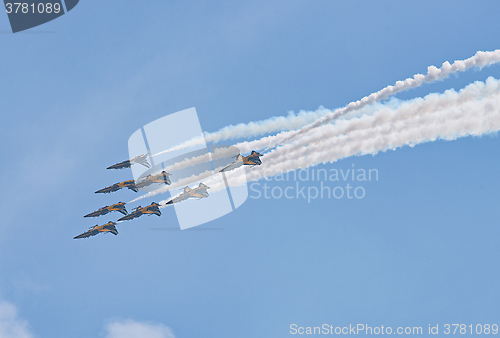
[271,125]
[217,153]
[429,103]
[475,110]
[307,120]
[480,59]
[242,130]
[379,131]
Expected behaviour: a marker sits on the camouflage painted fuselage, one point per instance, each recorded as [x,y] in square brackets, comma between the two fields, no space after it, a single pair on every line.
[117,186]
[105,228]
[199,192]
[253,159]
[120,207]
[152,209]
[141,159]
[121,165]
[162,177]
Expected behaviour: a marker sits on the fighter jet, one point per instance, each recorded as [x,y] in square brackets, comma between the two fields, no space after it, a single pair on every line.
[163,177]
[199,192]
[117,186]
[141,159]
[120,207]
[253,159]
[108,227]
[139,211]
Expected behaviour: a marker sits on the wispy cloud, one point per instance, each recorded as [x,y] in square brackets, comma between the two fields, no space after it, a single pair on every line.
[11,326]
[133,329]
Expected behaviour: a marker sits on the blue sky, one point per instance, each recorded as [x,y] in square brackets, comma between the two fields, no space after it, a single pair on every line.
[421,247]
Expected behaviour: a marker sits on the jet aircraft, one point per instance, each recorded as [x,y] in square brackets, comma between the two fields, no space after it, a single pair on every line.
[117,186]
[120,207]
[108,227]
[199,192]
[141,159]
[163,177]
[151,209]
[253,159]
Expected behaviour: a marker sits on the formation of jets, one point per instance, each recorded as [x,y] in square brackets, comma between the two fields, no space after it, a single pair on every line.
[110,227]
[199,192]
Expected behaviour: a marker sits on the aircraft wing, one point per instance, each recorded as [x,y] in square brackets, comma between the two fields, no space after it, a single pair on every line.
[200,194]
[154,210]
[145,163]
[120,207]
[133,188]
[141,159]
[113,231]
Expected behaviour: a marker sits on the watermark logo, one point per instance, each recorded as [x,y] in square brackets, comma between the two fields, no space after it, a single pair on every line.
[31,13]
[310,184]
[175,146]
